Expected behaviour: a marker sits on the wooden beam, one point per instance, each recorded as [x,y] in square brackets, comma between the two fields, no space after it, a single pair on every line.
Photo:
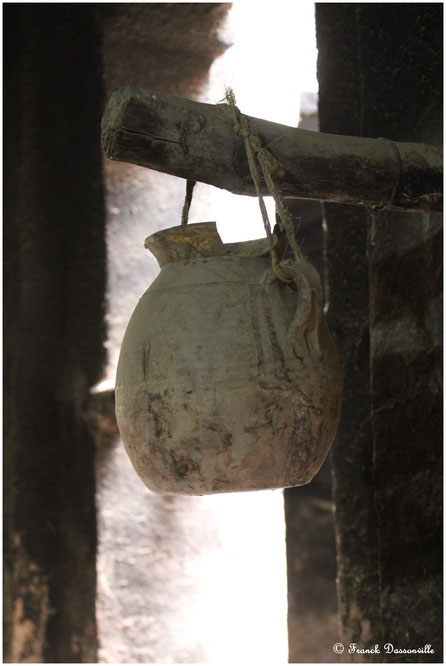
[197,141]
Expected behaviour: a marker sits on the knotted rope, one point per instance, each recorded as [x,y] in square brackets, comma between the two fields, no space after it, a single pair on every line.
[261,161]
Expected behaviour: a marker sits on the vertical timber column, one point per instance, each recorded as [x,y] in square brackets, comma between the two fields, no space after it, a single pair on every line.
[53,350]
[380,74]
[346,246]
[403,75]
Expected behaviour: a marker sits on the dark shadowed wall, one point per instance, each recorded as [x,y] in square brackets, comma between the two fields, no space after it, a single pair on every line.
[54,273]
[380,75]
[58,60]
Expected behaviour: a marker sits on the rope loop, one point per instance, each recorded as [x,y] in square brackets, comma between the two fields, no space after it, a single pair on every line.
[262,162]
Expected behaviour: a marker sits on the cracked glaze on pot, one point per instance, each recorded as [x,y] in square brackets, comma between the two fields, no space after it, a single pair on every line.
[228,379]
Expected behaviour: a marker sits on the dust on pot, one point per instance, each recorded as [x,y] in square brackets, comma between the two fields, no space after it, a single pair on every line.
[228,379]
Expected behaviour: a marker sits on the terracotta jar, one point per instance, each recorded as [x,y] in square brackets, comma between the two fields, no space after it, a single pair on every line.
[228,378]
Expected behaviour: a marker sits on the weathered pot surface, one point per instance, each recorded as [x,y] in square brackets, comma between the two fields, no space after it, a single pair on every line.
[228,379]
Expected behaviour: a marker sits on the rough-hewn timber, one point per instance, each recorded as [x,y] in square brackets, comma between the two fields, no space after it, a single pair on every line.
[197,141]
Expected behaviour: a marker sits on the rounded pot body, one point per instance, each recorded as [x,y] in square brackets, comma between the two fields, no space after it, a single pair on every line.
[228,379]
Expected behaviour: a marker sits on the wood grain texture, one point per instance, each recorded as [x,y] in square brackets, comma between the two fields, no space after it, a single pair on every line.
[197,141]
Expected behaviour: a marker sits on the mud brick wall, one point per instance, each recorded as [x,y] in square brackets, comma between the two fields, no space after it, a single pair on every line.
[380,75]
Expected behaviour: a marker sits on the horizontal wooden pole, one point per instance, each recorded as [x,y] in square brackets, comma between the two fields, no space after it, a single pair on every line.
[198,141]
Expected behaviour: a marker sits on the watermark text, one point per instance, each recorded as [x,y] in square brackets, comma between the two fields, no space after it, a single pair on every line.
[387,648]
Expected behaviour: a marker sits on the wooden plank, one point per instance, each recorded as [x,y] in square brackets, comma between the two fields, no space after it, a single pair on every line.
[197,141]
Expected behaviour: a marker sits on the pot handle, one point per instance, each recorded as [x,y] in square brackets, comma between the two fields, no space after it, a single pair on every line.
[307,317]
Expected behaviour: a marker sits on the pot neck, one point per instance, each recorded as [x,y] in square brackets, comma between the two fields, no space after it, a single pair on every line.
[185,243]
[193,241]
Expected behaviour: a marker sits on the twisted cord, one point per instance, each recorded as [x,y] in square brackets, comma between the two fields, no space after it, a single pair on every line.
[187,201]
[261,160]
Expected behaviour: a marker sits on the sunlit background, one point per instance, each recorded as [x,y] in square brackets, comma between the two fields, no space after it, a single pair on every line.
[271,63]
[198,579]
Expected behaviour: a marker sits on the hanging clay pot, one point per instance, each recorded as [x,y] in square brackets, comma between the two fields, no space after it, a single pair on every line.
[228,378]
